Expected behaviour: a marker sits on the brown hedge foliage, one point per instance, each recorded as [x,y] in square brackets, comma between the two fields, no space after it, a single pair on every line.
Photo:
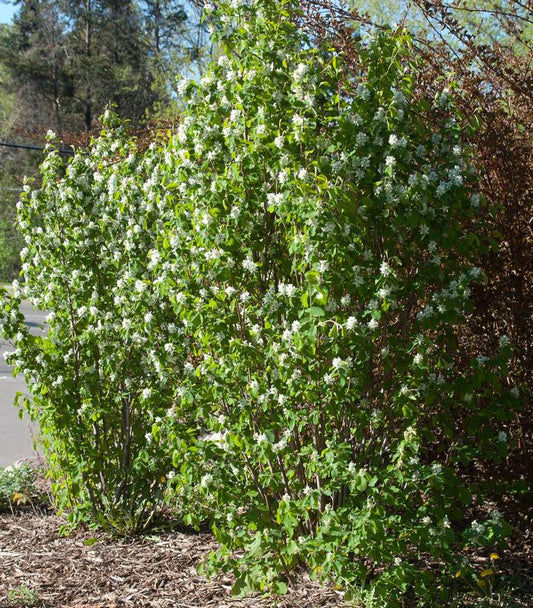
[495,99]
[497,88]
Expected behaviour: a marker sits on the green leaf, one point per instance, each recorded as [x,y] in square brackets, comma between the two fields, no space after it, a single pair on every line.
[89,542]
[255,547]
[315,311]
[241,586]
[279,587]
[361,485]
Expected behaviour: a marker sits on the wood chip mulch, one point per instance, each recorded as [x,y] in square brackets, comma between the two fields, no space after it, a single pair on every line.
[158,570]
[93,570]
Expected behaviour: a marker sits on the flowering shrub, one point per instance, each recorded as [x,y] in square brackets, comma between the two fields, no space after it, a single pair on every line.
[96,378]
[321,228]
[260,315]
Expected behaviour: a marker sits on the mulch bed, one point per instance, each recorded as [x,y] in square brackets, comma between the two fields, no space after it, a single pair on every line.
[157,570]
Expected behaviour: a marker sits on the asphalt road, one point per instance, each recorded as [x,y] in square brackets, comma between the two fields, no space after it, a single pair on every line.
[16,441]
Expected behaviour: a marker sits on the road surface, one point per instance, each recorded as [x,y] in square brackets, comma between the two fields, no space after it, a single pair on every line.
[15,434]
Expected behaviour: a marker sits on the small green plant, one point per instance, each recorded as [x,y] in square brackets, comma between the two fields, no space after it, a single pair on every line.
[23,596]
[485,583]
[17,485]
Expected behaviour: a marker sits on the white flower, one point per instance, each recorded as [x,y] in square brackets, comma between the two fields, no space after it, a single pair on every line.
[206,480]
[234,213]
[337,363]
[504,341]
[260,438]
[215,437]
[390,161]
[249,265]
[297,120]
[140,286]
[380,115]
[308,99]
[399,97]
[477,528]
[442,188]
[299,72]
[287,289]
[279,141]
[351,323]
[302,173]
[256,330]
[502,437]
[475,198]
[385,269]
[274,199]
[363,92]
[393,140]
[282,176]
[417,359]
[58,381]
[223,61]
[372,324]
[146,393]
[182,86]
[234,115]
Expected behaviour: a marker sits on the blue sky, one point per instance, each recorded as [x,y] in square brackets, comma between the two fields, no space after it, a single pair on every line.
[6,12]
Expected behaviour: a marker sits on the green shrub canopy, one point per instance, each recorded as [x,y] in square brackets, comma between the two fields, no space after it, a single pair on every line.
[258,318]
